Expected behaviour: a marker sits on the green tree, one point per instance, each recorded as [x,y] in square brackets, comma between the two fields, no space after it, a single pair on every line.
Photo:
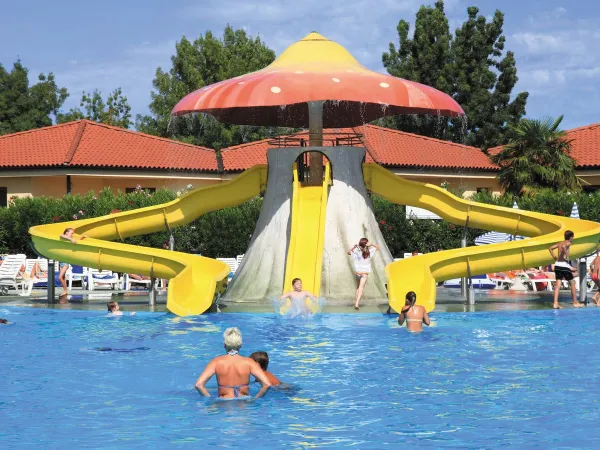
[538,156]
[24,107]
[469,66]
[115,111]
[196,64]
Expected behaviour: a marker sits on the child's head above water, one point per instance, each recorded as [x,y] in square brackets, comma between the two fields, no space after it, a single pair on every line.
[262,358]
[297,284]
[112,307]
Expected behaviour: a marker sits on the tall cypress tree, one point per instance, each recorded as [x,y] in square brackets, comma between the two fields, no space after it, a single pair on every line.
[469,66]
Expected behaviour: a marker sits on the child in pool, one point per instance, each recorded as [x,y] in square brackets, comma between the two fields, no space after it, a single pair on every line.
[114,310]
[298,299]
[262,358]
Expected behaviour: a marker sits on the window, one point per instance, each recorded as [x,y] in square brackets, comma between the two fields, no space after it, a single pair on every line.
[591,188]
[145,189]
[483,190]
[3,197]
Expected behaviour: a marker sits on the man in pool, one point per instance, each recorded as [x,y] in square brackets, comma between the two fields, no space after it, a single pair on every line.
[115,310]
[262,358]
[298,299]
[233,370]
[415,315]
[563,270]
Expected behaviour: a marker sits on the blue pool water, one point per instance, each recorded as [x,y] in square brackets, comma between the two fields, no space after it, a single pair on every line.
[74,379]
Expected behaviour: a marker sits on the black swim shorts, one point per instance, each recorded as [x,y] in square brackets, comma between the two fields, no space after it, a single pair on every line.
[563,273]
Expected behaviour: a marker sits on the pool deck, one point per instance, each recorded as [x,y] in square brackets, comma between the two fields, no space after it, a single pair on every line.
[448,300]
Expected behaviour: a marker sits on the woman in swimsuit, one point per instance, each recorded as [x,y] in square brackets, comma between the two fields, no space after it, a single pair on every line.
[362,254]
[415,315]
[233,370]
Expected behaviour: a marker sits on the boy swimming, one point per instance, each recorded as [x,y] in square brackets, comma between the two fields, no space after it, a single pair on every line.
[262,358]
[115,310]
[298,299]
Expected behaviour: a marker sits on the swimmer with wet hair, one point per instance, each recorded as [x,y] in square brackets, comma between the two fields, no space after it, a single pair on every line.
[4,322]
[415,315]
[115,310]
[262,358]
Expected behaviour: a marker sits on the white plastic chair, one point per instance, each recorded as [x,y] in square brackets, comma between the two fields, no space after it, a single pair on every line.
[239,259]
[97,278]
[10,273]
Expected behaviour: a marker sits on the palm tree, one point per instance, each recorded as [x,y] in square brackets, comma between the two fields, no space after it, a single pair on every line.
[537,156]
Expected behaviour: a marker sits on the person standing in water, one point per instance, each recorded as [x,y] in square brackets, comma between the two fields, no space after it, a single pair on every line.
[362,254]
[562,268]
[233,370]
[415,315]
[297,298]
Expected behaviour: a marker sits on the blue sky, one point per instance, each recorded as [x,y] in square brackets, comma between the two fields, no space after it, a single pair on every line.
[109,44]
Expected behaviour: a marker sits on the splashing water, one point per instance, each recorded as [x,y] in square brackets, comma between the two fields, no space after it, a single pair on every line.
[298,309]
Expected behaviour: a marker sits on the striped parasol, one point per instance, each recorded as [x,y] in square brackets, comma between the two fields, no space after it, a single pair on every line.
[574,211]
[496,237]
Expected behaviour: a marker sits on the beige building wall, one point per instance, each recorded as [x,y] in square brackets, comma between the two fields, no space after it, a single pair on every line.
[84,184]
[16,186]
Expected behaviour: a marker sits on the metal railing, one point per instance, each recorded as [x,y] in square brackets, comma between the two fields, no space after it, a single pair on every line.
[330,139]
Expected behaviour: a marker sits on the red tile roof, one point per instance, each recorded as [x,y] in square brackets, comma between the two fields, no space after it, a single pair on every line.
[585,147]
[395,148]
[243,156]
[387,147]
[89,144]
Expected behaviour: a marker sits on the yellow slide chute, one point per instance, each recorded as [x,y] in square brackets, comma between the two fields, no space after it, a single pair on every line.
[420,273]
[305,251]
[193,278]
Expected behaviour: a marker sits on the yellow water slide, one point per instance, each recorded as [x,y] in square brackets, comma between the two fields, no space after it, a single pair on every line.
[420,273]
[305,251]
[194,279]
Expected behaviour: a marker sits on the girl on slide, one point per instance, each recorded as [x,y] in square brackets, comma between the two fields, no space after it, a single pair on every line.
[362,254]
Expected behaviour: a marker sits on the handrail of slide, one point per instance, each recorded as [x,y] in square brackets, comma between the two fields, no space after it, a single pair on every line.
[420,273]
[307,233]
[193,278]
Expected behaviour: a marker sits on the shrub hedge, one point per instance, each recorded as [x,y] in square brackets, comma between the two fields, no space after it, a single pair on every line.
[227,232]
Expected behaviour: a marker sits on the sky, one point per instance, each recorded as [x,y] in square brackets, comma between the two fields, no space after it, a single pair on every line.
[110,44]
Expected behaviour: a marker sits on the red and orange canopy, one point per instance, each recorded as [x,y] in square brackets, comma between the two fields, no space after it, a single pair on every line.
[315,69]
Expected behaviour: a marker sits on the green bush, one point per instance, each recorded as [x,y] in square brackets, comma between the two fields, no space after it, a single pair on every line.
[227,232]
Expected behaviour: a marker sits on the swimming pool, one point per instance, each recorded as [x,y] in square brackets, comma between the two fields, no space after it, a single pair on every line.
[523,378]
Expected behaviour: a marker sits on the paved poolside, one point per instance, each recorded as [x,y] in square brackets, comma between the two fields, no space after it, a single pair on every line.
[448,300]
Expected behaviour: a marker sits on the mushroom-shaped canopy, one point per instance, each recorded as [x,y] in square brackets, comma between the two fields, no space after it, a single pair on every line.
[315,69]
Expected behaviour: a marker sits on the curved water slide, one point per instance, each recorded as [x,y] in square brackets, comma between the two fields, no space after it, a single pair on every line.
[194,279]
[420,273]
[307,235]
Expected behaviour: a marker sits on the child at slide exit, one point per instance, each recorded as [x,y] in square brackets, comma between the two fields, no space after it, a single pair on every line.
[298,299]
[115,310]
[262,358]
